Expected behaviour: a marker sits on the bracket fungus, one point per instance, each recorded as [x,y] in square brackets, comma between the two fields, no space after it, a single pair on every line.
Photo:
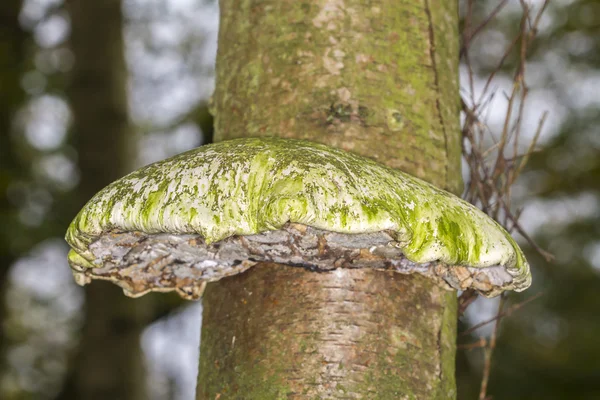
[217,210]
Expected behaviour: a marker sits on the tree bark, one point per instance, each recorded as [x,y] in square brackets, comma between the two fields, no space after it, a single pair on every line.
[109,363]
[380,80]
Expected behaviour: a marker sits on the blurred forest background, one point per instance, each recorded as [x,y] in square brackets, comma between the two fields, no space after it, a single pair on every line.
[90,90]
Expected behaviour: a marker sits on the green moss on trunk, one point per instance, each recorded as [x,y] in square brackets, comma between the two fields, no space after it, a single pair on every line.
[379,80]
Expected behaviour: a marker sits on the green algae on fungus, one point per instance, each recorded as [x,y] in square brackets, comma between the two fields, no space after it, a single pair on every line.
[215,208]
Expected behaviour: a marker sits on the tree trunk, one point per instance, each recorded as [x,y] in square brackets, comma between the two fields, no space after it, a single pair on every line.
[380,80]
[13,55]
[109,362]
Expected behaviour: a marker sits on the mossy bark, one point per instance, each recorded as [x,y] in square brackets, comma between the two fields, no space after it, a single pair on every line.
[380,80]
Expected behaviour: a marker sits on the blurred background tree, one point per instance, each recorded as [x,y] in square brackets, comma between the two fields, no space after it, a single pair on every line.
[107,363]
[91,90]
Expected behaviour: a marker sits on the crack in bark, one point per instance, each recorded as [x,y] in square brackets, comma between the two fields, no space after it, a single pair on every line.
[437,90]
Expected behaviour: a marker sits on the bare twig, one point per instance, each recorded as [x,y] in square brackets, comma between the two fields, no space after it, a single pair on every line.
[489,350]
[495,167]
[545,254]
[465,300]
[469,35]
[502,314]
[482,342]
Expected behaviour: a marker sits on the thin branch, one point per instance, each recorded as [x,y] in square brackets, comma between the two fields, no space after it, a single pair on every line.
[502,314]
[530,150]
[465,300]
[471,34]
[545,254]
[495,168]
[475,345]
[489,351]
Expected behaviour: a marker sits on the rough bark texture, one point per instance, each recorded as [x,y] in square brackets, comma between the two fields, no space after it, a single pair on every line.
[348,334]
[109,362]
[377,79]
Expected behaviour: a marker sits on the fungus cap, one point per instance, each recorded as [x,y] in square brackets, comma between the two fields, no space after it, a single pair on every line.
[217,210]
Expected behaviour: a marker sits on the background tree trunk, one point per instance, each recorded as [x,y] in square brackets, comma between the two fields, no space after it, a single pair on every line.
[379,80]
[109,362]
[13,55]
